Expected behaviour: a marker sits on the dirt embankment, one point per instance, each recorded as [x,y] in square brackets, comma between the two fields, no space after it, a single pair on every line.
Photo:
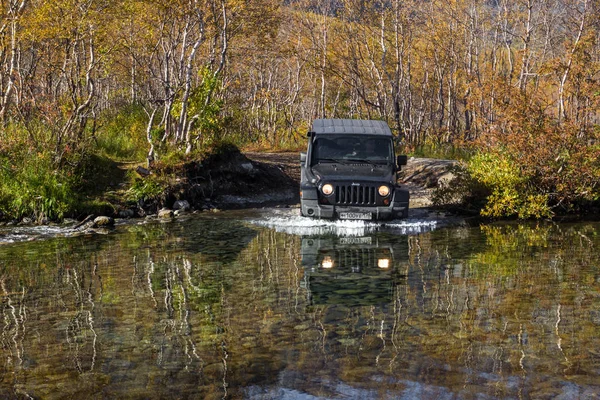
[420,175]
[235,180]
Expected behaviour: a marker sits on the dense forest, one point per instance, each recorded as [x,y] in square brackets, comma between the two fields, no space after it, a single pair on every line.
[516,83]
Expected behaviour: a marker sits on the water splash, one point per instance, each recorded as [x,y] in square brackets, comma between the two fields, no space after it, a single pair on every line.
[303,226]
[28,233]
[15,234]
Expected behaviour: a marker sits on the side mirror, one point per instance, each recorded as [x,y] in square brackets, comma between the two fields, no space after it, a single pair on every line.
[401,160]
[303,158]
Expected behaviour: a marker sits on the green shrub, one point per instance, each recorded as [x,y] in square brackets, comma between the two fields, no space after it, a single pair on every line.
[496,185]
[31,186]
[510,187]
[145,189]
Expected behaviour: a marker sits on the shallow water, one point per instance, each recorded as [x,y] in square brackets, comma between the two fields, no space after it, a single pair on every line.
[265,305]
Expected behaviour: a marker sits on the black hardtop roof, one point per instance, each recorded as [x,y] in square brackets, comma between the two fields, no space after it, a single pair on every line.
[351,126]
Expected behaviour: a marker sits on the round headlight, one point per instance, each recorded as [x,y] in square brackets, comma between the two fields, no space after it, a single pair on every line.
[384,190]
[327,189]
[327,262]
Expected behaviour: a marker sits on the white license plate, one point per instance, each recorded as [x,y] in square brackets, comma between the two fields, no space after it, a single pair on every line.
[355,215]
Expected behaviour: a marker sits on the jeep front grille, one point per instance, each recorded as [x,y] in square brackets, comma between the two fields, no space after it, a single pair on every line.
[355,195]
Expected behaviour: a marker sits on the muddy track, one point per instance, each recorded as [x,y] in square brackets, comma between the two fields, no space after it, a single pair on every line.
[288,163]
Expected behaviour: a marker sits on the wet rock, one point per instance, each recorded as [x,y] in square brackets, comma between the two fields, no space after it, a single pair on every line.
[142,171]
[166,213]
[126,213]
[104,221]
[86,223]
[445,179]
[26,221]
[248,168]
[183,205]
[179,212]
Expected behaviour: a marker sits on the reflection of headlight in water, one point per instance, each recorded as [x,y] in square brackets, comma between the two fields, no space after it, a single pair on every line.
[383,263]
[327,262]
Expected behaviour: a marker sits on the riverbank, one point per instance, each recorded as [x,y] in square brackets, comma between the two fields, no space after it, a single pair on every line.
[229,179]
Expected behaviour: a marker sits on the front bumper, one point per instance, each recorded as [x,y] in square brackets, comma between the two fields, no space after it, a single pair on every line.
[398,207]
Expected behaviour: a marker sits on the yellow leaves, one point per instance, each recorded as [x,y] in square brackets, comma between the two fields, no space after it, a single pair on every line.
[511,193]
[67,19]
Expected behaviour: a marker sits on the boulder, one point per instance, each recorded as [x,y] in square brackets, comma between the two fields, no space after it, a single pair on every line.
[103,221]
[128,213]
[182,205]
[248,168]
[26,221]
[166,213]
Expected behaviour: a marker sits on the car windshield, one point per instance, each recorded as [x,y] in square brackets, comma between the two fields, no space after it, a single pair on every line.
[352,148]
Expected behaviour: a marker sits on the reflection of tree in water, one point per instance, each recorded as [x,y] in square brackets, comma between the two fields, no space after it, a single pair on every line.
[140,314]
[461,319]
[14,318]
[80,335]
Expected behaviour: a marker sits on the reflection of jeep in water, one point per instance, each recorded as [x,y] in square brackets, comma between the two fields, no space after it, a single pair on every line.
[351,270]
[349,172]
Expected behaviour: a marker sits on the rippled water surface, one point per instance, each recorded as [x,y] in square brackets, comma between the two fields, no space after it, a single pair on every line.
[269,305]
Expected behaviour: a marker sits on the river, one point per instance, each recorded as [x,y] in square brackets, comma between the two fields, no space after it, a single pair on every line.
[263,304]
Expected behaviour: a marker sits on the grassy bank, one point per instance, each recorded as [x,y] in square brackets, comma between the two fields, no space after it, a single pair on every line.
[43,179]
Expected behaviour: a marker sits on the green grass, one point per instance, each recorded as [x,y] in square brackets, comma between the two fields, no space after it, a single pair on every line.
[122,135]
[31,186]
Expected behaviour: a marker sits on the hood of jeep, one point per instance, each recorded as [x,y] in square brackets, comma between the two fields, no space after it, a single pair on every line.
[358,172]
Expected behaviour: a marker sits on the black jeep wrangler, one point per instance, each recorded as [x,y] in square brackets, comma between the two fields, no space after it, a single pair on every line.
[349,172]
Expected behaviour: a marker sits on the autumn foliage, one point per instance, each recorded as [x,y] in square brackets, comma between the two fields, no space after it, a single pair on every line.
[519,80]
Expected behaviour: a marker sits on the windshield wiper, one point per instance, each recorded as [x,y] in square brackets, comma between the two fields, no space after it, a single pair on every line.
[365,161]
[332,160]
